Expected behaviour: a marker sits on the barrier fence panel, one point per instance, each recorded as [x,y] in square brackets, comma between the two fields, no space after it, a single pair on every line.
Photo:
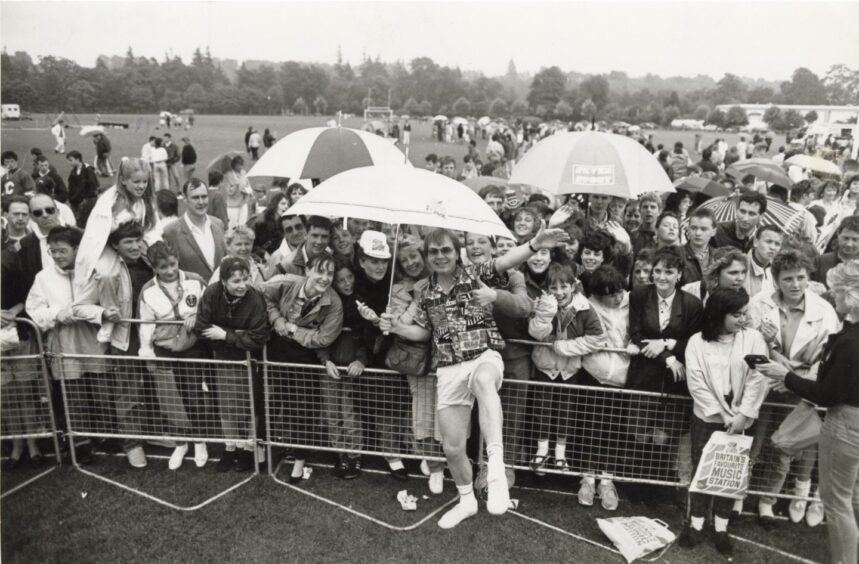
[634,436]
[380,412]
[184,400]
[26,408]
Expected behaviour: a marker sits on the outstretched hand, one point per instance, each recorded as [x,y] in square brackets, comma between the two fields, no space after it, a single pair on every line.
[549,238]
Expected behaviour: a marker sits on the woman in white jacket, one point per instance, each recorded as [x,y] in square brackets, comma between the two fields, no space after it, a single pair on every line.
[726,395]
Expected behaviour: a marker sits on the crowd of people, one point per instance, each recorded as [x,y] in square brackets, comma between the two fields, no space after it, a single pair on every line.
[651,294]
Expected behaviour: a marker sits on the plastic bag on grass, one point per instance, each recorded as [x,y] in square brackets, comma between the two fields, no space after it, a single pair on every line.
[724,466]
[636,537]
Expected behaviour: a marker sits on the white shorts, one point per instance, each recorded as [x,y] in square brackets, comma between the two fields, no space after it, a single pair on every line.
[454,385]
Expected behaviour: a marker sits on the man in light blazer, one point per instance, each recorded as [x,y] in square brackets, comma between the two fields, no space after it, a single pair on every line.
[197,236]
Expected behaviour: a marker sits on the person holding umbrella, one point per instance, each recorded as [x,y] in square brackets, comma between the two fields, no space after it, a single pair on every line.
[466,345]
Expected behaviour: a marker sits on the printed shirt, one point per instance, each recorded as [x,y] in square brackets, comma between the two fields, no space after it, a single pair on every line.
[462,329]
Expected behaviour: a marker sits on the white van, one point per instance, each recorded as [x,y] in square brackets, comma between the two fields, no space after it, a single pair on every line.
[10,111]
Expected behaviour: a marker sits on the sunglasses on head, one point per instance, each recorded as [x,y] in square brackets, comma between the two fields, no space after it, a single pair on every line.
[46,211]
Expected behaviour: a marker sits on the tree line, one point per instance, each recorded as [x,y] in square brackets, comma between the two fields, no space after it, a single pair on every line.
[421,87]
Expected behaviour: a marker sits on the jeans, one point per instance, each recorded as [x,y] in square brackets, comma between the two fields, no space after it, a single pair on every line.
[839,481]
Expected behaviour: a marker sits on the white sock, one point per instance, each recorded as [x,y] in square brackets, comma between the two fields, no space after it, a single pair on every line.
[560,450]
[720,524]
[298,469]
[495,463]
[466,493]
[738,506]
[765,509]
[543,448]
[396,464]
[802,488]
[697,523]
[230,447]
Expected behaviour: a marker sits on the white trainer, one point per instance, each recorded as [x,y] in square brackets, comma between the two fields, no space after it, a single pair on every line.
[498,495]
[796,510]
[201,454]
[586,492]
[460,512]
[608,495]
[136,457]
[436,482]
[177,457]
[425,469]
[814,514]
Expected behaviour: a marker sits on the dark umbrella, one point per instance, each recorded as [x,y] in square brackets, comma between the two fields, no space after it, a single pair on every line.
[764,169]
[701,185]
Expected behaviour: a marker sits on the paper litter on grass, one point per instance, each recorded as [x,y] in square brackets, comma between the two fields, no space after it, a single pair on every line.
[407,502]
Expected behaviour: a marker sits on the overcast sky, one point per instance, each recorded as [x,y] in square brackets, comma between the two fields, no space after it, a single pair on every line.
[761,39]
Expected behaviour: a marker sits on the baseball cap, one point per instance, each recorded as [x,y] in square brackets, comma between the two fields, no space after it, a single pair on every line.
[374,244]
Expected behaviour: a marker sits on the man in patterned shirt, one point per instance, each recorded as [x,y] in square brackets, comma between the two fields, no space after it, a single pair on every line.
[452,310]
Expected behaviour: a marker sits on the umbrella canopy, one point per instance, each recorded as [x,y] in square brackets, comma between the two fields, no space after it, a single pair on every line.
[764,169]
[223,163]
[814,163]
[91,130]
[725,209]
[591,162]
[478,183]
[440,117]
[701,185]
[402,195]
[484,121]
[457,120]
[322,152]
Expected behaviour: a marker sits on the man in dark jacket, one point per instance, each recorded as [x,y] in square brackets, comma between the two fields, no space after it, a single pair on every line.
[740,232]
[83,182]
[102,153]
[172,162]
[847,237]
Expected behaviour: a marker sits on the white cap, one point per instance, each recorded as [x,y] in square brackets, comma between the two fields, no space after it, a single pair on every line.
[375,245]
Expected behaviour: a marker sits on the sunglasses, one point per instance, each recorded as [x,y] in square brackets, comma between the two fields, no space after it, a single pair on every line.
[45,211]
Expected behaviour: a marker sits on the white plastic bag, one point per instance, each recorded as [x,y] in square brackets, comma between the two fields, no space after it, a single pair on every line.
[636,537]
[9,338]
[724,466]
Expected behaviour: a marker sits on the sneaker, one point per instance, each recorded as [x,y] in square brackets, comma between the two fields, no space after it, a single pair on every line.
[796,510]
[244,461]
[425,469]
[689,537]
[561,465]
[814,514]
[436,482]
[460,512]
[723,543]
[228,458]
[345,469]
[136,457]
[608,495]
[353,469]
[177,457]
[586,492]
[400,474]
[201,454]
[498,501]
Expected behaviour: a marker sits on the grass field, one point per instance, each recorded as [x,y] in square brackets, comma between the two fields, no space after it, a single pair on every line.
[215,135]
[70,517]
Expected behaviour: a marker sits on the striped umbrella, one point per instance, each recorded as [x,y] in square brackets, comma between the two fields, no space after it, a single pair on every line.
[322,152]
[591,162]
[782,215]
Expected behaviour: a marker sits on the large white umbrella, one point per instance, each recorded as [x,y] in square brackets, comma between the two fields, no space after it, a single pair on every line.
[323,152]
[484,121]
[591,162]
[814,163]
[440,117]
[457,120]
[402,195]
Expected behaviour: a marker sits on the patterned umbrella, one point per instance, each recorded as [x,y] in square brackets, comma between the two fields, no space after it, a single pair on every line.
[322,152]
[725,209]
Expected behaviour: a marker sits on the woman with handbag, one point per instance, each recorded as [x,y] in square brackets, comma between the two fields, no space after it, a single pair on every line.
[726,395]
[173,295]
[796,324]
[837,388]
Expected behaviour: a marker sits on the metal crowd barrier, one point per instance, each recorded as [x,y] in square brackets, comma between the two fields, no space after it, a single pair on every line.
[136,399]
[26,408]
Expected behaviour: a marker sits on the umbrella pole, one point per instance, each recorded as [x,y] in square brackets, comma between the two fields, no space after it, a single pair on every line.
[393,263]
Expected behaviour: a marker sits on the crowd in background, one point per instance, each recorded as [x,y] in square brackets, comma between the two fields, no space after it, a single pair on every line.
[651,294]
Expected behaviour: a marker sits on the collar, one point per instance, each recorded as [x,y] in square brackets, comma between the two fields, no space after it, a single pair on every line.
[458,276]
[780,304]
[754,265]
[579,303]
[194,229]
[669,299]
[734,232]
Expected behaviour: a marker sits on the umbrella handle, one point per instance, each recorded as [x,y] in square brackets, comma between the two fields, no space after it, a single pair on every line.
[393,267]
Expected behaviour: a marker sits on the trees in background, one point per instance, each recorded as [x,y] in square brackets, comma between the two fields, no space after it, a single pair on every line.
[420,87]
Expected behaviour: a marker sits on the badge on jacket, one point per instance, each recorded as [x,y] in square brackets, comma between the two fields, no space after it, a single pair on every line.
[191,300]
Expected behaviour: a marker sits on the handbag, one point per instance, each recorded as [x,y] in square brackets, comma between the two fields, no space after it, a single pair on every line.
[799,430]
[172,336]
[408,357]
